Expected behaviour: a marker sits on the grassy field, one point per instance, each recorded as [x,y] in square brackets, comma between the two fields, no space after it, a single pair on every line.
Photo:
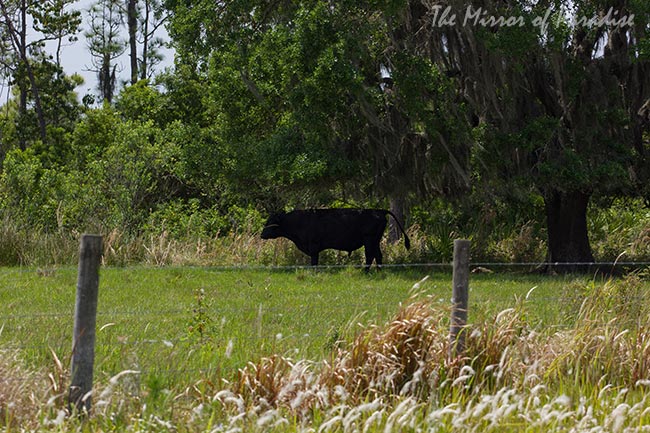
[204,341]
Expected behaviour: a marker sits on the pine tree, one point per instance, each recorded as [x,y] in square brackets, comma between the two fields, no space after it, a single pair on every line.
[106,18]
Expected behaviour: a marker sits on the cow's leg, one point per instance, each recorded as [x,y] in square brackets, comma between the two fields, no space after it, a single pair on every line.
[372,253]
[379,257]
[369,258]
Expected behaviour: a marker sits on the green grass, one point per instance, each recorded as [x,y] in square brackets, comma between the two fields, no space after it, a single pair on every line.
[145,314]
[191,332]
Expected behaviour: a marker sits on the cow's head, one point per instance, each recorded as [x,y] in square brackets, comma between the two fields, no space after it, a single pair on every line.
[273,227]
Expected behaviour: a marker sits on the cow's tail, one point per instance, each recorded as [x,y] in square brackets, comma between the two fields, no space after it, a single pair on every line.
[407,241]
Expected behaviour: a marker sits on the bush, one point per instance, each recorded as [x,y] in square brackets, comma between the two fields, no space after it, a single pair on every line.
[187,220]
[118,173]
[621,229]
[32,193]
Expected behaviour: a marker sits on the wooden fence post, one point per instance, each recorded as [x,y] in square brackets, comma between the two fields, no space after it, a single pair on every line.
[460,294]
[83,342]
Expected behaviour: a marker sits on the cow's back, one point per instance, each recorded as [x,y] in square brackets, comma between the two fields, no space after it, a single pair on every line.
[341,229]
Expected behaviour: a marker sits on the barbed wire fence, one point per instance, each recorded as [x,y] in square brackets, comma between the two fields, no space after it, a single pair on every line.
[259,338]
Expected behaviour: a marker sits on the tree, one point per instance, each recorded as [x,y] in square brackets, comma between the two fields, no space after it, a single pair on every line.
[60,111]
[539,106]
[105,44]
[557,104]
[153,18]
[423,143]
[296,91]
[144,19]
[50,21]
[56,22]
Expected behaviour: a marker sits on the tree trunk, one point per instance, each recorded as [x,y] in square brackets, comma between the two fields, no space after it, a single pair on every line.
[568,241]
[145,42]
[132,24]
[398,208]
[19,38]
[22,110]
[22,54]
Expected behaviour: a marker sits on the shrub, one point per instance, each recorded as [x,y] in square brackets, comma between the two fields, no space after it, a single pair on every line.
[620,231]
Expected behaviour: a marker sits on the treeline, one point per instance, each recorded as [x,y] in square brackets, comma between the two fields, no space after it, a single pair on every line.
[519,137]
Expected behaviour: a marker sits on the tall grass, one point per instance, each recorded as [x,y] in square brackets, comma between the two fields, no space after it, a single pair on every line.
[27,396]
[593,375]
[512,377]
[620,231]
[23,247]
[27,247]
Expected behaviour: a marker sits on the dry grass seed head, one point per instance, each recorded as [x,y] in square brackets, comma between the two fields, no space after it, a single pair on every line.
[382,360]
[496,346]
[407,358]
[261,383]
[23,393]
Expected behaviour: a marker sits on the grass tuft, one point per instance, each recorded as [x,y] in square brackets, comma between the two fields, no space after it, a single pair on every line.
[510,373]
[27,397]
[592,374]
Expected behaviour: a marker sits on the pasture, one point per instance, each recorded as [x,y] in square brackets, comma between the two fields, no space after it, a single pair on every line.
[188,349]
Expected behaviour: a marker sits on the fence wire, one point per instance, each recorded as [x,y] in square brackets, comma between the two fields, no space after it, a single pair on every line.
[106,345]
[433,265]
[48,270]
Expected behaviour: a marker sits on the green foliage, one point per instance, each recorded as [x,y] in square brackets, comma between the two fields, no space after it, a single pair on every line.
[498,232]
[116,173]
[262,101]
[54,19]
[296,106]
[92,137]
[620,231]
[189,221]
[282,105]
[201,323]
[142,102]
[60,109]
[30,192]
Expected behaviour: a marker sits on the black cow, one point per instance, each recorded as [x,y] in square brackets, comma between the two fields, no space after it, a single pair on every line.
[316,230]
